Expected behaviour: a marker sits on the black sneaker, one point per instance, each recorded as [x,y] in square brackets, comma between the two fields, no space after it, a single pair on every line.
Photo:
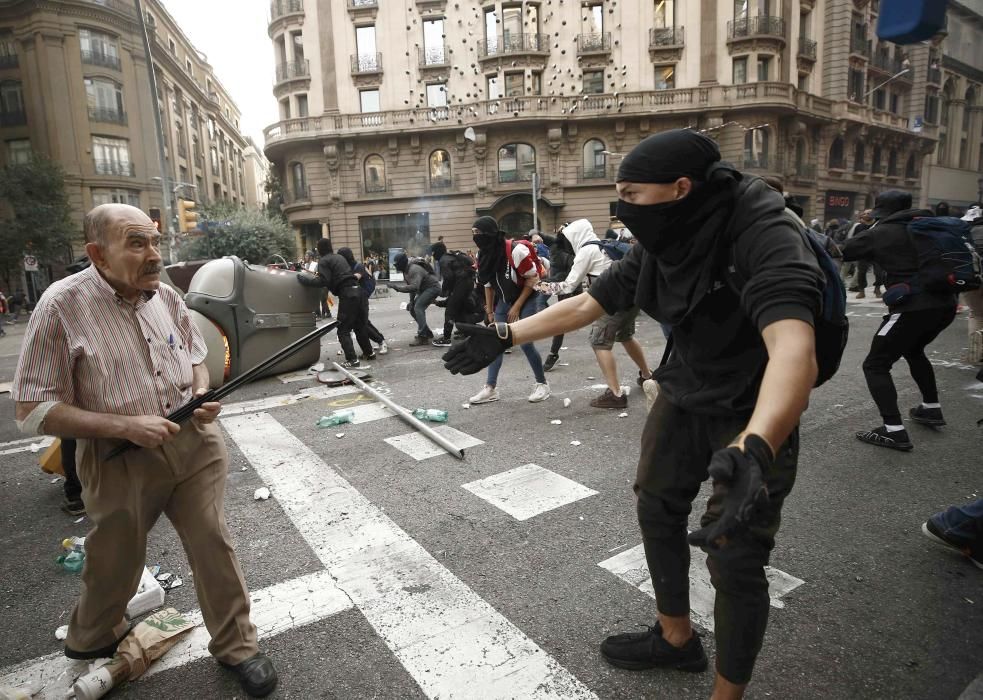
[637,651]
[350,364]
[73,506]
[641,379]
[370,356]
[419,340]
[551,361]
[897,440]
[441,342]
[937,535]
[926,416]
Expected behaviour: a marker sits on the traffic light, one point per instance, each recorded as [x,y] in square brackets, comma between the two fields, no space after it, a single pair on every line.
[155,216]
[187,217]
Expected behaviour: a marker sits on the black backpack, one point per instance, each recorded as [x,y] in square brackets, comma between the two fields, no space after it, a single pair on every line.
[615,250]
[947,258]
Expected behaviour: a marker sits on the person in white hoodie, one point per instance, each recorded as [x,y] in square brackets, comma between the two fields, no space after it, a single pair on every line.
[590,262]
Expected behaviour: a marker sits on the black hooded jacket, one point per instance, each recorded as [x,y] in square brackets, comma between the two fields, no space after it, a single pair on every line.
[719,356]
[888,244]
[333,272]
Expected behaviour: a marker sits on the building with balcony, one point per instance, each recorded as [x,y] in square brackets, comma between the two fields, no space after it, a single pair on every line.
[954,108]
[74,87]
[257,173]
[412,117]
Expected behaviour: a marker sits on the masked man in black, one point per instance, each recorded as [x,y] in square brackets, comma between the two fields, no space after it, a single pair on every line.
[731,395]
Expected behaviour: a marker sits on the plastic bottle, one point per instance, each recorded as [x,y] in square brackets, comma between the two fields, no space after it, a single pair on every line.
[434,415]
[74,544]
[72,561]
[336,418]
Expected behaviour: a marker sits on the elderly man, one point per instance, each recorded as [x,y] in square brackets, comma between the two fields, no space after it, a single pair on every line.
[107,354]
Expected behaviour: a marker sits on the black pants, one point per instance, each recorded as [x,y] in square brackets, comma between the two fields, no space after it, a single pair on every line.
[862,267]
[558,339]
[374,334]
[460,306]
[352,316]
[73,487]
[675,451]
[904,334]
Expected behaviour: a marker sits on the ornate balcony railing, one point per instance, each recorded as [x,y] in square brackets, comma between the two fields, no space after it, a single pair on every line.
[593,43]
[760,25]
[369,189]
[121,6]
[434,56]
[114,167]
[513,44]
[807,48]
[279,8]
[366,63]
[665,37]
[296,194]
[292,70]
[604,173]
[107,116]
[101,58]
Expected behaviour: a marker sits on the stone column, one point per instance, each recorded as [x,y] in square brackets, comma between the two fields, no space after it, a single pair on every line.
[708,42]
[954,132]
[329,71]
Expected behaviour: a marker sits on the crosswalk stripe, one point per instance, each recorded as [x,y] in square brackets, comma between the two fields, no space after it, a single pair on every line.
[527,491]
[275,609]
[279,400]
[420,447]
[630,566]
[452,642]
[32,445]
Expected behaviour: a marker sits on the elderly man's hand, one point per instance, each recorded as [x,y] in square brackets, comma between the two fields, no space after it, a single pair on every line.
[149,431]
[208,411]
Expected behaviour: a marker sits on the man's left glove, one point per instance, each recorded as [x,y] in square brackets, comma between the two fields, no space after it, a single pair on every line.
[479,349]
[740,476]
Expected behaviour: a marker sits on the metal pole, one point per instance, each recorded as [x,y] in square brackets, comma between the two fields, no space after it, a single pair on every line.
[407,417]
[158,124]
[535,203]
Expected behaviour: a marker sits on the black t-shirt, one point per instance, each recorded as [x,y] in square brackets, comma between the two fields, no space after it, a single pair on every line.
[719,356]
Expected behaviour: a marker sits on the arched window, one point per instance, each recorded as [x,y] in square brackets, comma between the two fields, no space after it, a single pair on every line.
[892,163]
[875,161]
[298,181]
[836,154]
[595,162]
[756,144]
[948,93]
[910,171]
[375,173]
[516,162]
[859,157]
[440,169]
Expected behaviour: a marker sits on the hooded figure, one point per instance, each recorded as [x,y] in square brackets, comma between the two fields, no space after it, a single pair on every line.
[731,392]
[422,286]
[589,261]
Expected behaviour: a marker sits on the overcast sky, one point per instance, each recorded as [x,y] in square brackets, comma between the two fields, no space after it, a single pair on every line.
[232,34]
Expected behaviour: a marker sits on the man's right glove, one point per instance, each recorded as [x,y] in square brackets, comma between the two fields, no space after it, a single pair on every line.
[479,349]
[740,476]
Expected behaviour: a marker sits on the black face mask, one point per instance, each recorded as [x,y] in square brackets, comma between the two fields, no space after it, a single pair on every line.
[484,240]
[654,225]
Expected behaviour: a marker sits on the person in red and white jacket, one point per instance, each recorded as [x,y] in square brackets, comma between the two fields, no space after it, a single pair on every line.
[509,270]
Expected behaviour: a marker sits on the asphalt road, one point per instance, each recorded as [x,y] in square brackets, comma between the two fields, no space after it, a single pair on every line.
[421,588]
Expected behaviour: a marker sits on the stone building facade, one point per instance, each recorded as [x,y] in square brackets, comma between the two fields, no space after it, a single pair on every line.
[401,120]
[74,86]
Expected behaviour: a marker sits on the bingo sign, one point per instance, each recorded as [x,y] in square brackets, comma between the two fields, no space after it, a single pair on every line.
[30,263]
[838,205]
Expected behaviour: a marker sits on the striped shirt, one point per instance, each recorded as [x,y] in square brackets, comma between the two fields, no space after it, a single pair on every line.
[87,347]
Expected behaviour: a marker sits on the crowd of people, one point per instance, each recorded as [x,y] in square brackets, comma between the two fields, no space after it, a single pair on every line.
[744,292]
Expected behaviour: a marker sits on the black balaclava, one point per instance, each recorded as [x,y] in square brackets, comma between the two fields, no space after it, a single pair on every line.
[488,241]
[401,262]
[664,158]
[346,253]
[324,247]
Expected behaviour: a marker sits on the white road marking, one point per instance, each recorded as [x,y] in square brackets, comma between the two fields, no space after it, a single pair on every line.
[32,445]
[23,441]
[300,376]
[630,566]
[419,447]
[450,640]
[528,490]
[6,386]
[366,413]
[275,609]
[268,402]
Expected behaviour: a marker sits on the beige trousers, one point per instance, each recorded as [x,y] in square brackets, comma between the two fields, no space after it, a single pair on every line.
[185,480]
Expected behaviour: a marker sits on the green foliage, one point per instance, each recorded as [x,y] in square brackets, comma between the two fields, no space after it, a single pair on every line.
[274,188]
[35,216]
[248,234]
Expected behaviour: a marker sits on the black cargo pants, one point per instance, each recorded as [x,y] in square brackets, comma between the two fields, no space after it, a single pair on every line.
[675,452]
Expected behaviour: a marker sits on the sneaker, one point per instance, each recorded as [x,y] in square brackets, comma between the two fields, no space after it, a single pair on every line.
[350,364]
[441,342]
[383,349]
[897,440]
[862,295]
[609,400]
[540,392]
[926,416]
[641,379]
[486,395]
[370,356]
[73,506]
[637,651]
[937,535]
[419,340]
[877,291]
[551,361]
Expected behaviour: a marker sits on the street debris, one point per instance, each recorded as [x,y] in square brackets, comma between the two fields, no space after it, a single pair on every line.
[623,415]
[339,435]
[176,583]
[164,578]
[317,367]
[465,405]
[434,415]
[556,421]
[575,443]
[56,480]
[61,634]
[261,494]
[336,418]
[591,378]
[78,520]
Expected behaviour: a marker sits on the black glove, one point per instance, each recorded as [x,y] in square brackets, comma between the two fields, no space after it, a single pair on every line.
[479,349]
[739,477]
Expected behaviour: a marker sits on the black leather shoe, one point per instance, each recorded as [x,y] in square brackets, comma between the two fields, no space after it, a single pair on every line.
[256,675]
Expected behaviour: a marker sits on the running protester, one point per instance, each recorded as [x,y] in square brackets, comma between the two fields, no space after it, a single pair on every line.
[421,284]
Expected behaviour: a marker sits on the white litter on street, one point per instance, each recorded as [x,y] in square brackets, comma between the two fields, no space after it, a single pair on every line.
[261,494]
